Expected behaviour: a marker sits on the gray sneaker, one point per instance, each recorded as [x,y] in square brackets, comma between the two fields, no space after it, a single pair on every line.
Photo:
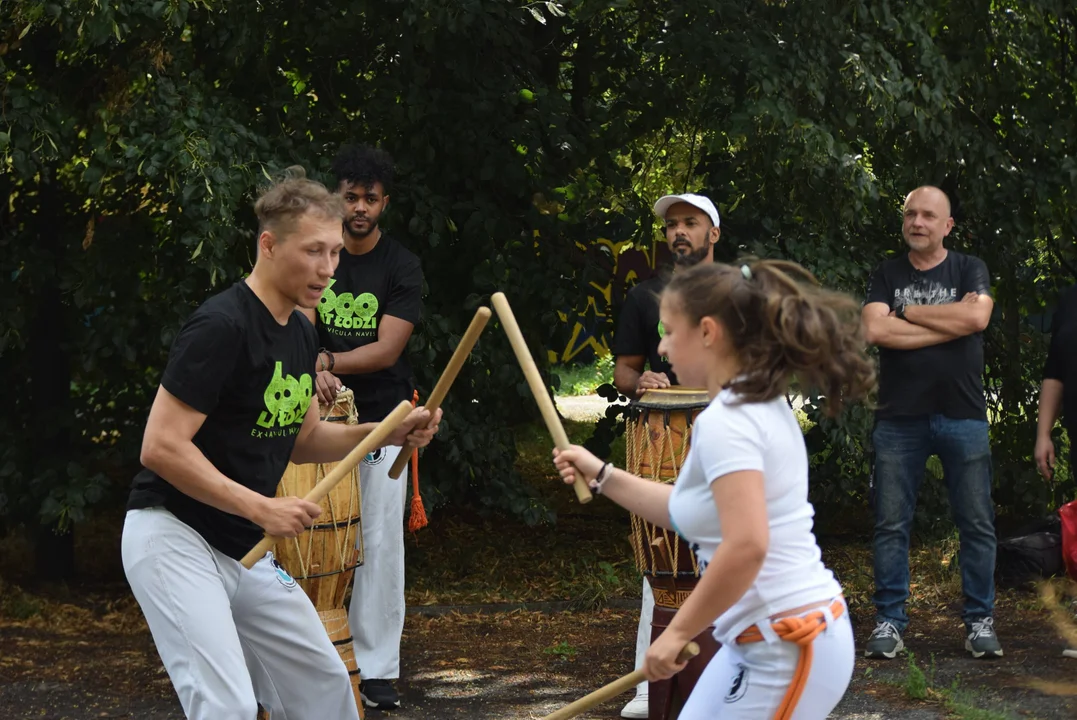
[982,640]
[885,642]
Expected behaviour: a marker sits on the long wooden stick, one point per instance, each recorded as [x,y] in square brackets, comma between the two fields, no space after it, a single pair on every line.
[467,342]
[614,689]
[538,387]
[375,439]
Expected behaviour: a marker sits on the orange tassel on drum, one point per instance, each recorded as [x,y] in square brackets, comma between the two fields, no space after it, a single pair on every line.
[418,520]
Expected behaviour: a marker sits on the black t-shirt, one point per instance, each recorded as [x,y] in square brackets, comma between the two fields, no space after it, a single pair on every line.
[639,330]
[944,379]
[1062,356]
[388,280]
[253,379]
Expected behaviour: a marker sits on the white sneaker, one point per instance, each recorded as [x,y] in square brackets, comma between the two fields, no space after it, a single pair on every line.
[636,709]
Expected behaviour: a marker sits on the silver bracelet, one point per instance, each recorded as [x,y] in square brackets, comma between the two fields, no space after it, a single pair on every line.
[600,479]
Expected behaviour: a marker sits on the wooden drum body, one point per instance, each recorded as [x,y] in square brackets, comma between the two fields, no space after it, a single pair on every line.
[323,560]
[659,433]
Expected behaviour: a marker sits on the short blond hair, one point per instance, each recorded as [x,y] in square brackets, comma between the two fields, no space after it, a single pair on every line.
[281,204]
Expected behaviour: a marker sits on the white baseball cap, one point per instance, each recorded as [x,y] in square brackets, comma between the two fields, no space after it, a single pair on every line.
[699,201]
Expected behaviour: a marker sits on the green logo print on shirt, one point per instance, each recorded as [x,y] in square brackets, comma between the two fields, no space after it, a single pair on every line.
[347,311]
[287,400]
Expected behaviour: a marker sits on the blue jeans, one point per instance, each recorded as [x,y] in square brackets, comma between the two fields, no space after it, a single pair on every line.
[902,447]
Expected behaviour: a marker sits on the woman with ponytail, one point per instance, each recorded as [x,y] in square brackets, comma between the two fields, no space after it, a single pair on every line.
[745,333]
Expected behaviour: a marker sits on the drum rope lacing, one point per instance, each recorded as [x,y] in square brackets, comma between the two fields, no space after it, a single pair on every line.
[643,448]
[346,547]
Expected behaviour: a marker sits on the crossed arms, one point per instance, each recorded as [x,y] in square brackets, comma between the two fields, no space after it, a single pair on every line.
[925,325]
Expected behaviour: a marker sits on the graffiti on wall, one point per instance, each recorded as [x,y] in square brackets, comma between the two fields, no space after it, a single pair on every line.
[592,320]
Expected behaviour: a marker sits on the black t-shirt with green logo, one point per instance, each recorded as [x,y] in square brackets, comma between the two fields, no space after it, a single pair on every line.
[253,380]
[638,328]
[388,280]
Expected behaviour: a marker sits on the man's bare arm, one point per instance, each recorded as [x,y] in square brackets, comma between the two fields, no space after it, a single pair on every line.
[958,319]
[322,442]
[168,450]
[393,335]
[883,329]
[626,372]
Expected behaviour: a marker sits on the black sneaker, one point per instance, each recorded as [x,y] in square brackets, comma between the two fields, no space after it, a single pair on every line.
[379,694]
[885,642]
[982,640]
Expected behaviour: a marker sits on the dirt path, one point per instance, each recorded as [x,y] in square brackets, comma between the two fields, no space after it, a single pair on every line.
[523,664]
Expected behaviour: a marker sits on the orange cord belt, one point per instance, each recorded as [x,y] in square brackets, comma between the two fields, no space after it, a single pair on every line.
[801,630]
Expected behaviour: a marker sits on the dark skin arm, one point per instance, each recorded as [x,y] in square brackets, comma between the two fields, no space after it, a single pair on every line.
[393,336]
[631,379]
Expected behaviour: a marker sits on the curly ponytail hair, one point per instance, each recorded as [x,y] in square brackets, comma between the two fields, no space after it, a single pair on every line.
[782,324]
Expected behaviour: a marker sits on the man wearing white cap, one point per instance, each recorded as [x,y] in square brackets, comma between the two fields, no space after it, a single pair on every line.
[692,229]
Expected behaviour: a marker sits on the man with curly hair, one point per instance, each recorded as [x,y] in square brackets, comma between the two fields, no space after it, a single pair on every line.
[364,321]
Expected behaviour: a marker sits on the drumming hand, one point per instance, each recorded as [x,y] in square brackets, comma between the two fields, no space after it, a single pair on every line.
[327,386]
[652,381]
[574,458]
[418,428]
[660,662]
[286,516]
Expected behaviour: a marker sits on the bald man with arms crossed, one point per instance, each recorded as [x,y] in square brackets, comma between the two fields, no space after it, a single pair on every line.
[927,310]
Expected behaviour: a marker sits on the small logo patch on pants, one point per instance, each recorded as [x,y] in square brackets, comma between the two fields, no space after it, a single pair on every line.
[282,575]
[739,686]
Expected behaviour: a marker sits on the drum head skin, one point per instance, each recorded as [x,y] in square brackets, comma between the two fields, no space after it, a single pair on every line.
[674,398]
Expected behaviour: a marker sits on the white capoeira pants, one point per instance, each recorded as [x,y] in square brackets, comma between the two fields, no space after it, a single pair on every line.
[376,612]
[743,682]
[643,633]
[231,638]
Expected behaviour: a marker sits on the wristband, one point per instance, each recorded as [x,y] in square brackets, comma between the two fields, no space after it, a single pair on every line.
[600,479]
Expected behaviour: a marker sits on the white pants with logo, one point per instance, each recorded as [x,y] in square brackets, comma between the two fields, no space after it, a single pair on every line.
[376,613]
[231,638]
[743,682]
[643,633]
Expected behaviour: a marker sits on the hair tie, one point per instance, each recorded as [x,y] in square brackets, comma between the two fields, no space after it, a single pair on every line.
[746,272]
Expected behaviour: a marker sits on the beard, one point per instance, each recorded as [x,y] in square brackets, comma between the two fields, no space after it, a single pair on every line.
[361,234]
[690,258]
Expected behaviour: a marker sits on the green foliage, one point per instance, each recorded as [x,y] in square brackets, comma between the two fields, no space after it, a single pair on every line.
[583,379]
[563,650]
[916,682]
[959,703]
[134,135]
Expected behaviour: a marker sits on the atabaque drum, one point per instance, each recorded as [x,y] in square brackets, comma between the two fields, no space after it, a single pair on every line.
[323,559]
[659,432]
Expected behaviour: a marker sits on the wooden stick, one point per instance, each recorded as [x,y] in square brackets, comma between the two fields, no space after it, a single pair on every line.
[538,387]
[467,342]
[372,441]
[615,688]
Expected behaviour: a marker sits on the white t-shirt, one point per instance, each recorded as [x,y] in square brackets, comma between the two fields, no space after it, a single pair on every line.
[729,436]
